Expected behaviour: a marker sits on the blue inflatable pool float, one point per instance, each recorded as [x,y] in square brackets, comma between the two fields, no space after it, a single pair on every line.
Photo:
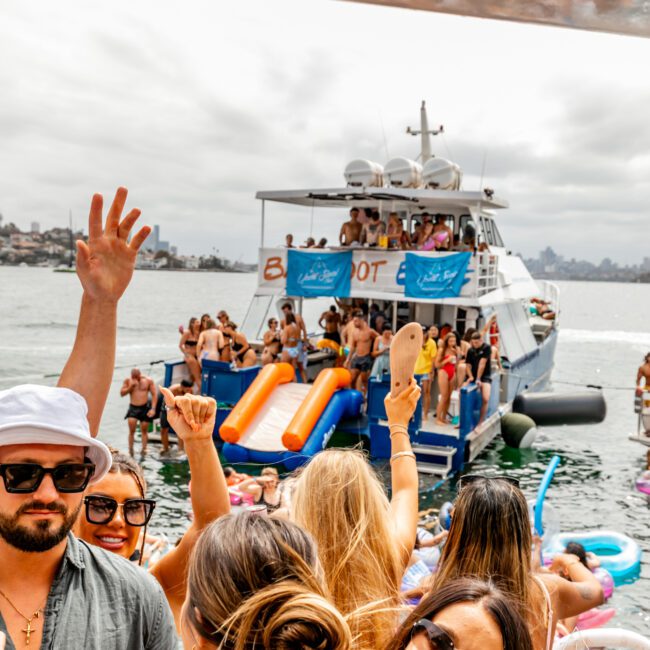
[618,553]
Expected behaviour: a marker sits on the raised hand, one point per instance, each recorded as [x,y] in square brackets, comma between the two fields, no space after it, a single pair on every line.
[105,264]
[400,409]
[191,416]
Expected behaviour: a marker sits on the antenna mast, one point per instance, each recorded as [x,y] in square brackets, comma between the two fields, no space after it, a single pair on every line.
[425,132]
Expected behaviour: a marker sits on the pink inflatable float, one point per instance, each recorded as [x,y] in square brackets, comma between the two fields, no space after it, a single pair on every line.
[643,483]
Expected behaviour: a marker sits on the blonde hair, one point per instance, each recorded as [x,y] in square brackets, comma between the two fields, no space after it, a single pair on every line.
[341,502]
[255,582]
[490,539]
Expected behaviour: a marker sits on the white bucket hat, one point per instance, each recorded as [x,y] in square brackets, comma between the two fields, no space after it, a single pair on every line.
[43,415]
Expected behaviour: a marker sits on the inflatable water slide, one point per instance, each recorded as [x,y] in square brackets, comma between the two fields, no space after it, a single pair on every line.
[280,421]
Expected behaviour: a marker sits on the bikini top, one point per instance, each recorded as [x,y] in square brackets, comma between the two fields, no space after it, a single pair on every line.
[190,343]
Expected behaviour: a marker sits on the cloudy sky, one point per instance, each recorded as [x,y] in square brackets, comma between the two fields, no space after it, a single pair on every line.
[195,106]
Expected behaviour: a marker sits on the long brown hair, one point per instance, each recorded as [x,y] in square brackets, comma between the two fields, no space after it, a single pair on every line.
[255,582]
[512,625]
[490,539]
[341,502]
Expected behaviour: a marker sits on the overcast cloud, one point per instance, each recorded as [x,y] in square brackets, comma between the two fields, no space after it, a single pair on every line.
[196,106]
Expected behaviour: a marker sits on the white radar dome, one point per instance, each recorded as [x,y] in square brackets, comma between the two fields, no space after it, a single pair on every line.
[441,174]
[364,173]
[402,172]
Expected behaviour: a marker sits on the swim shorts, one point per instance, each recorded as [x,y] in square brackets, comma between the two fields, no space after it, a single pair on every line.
[362,364]
[332,336]
[139,412]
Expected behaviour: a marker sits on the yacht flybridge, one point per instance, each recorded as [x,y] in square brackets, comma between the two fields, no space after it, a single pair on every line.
[471,280]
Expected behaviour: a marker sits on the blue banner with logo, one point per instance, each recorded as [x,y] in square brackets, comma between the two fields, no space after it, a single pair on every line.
[318,274]
[429,276]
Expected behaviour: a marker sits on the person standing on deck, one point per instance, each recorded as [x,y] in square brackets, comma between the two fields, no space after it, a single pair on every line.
[330,321]
[141,409]
[211,343]
[643,373]
[351,230]
[287,308]
[479,370]
[360,360]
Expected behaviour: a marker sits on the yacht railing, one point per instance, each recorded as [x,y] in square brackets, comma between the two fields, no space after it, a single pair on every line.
[487,267]
[550,293]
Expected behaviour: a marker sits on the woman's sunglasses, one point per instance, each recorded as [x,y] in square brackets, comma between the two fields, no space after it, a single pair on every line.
[468,479]
[23,478]
[438,638]
[101,510]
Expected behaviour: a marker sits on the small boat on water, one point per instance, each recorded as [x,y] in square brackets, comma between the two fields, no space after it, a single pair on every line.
[468,285]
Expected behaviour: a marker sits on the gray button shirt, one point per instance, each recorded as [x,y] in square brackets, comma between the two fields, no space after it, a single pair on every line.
[100,601]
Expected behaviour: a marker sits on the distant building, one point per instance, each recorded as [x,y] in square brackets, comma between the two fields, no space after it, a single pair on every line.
[154,243]
[36,227]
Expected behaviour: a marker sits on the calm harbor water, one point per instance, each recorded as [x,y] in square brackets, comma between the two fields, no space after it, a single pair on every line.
[603,338]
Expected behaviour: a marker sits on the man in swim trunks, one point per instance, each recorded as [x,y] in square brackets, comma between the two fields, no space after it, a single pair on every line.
[177,390]
[211,343]
[360,360]
[330,321]
[351,230]
[643,373]
[479,370]
[141,409]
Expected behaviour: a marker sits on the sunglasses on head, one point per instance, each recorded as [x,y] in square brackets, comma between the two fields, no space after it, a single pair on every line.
[467,479]
[101,510]
[23,478]
[438,638]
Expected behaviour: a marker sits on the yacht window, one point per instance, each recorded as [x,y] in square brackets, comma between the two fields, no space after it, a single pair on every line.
[488,231]
[497,235]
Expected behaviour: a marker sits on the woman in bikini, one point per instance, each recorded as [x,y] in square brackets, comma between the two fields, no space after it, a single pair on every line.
[241,351]
[211,343]
[490,539]
[290,340]
[397,236]
[265,489]
[446,364]
[204,322]
[272,343]
[187,345]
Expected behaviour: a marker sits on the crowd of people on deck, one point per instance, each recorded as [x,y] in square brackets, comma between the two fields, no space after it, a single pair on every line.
[428,233]
[321,570]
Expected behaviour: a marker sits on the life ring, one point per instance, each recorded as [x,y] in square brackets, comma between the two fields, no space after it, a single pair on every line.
[618,553]
[595,618]
[643,483]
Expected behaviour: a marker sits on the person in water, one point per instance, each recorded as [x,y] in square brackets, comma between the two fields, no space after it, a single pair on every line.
[185,387]
[351,230]
[365,541]
[59,591]
[467,614]
[256,582]
[117,509]
[187,345]
[265,489]
[490,539]
[272,343]
[142,409]
[211,343]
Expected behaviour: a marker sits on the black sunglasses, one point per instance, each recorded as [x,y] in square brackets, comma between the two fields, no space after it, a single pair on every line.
[22,478]
[100,510]
[438,638]
[467,479]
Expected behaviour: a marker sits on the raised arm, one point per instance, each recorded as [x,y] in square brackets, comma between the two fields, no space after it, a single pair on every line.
[127,387]
[105,266]
[404,473]
[192,417]
[580,594]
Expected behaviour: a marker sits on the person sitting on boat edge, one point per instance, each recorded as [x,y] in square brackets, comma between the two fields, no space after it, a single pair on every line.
[117,508]
[350,234]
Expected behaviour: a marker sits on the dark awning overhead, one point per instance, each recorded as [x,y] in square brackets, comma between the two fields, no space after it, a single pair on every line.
[630,17]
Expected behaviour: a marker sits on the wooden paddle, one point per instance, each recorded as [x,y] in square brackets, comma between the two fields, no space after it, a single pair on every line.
[404,350]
